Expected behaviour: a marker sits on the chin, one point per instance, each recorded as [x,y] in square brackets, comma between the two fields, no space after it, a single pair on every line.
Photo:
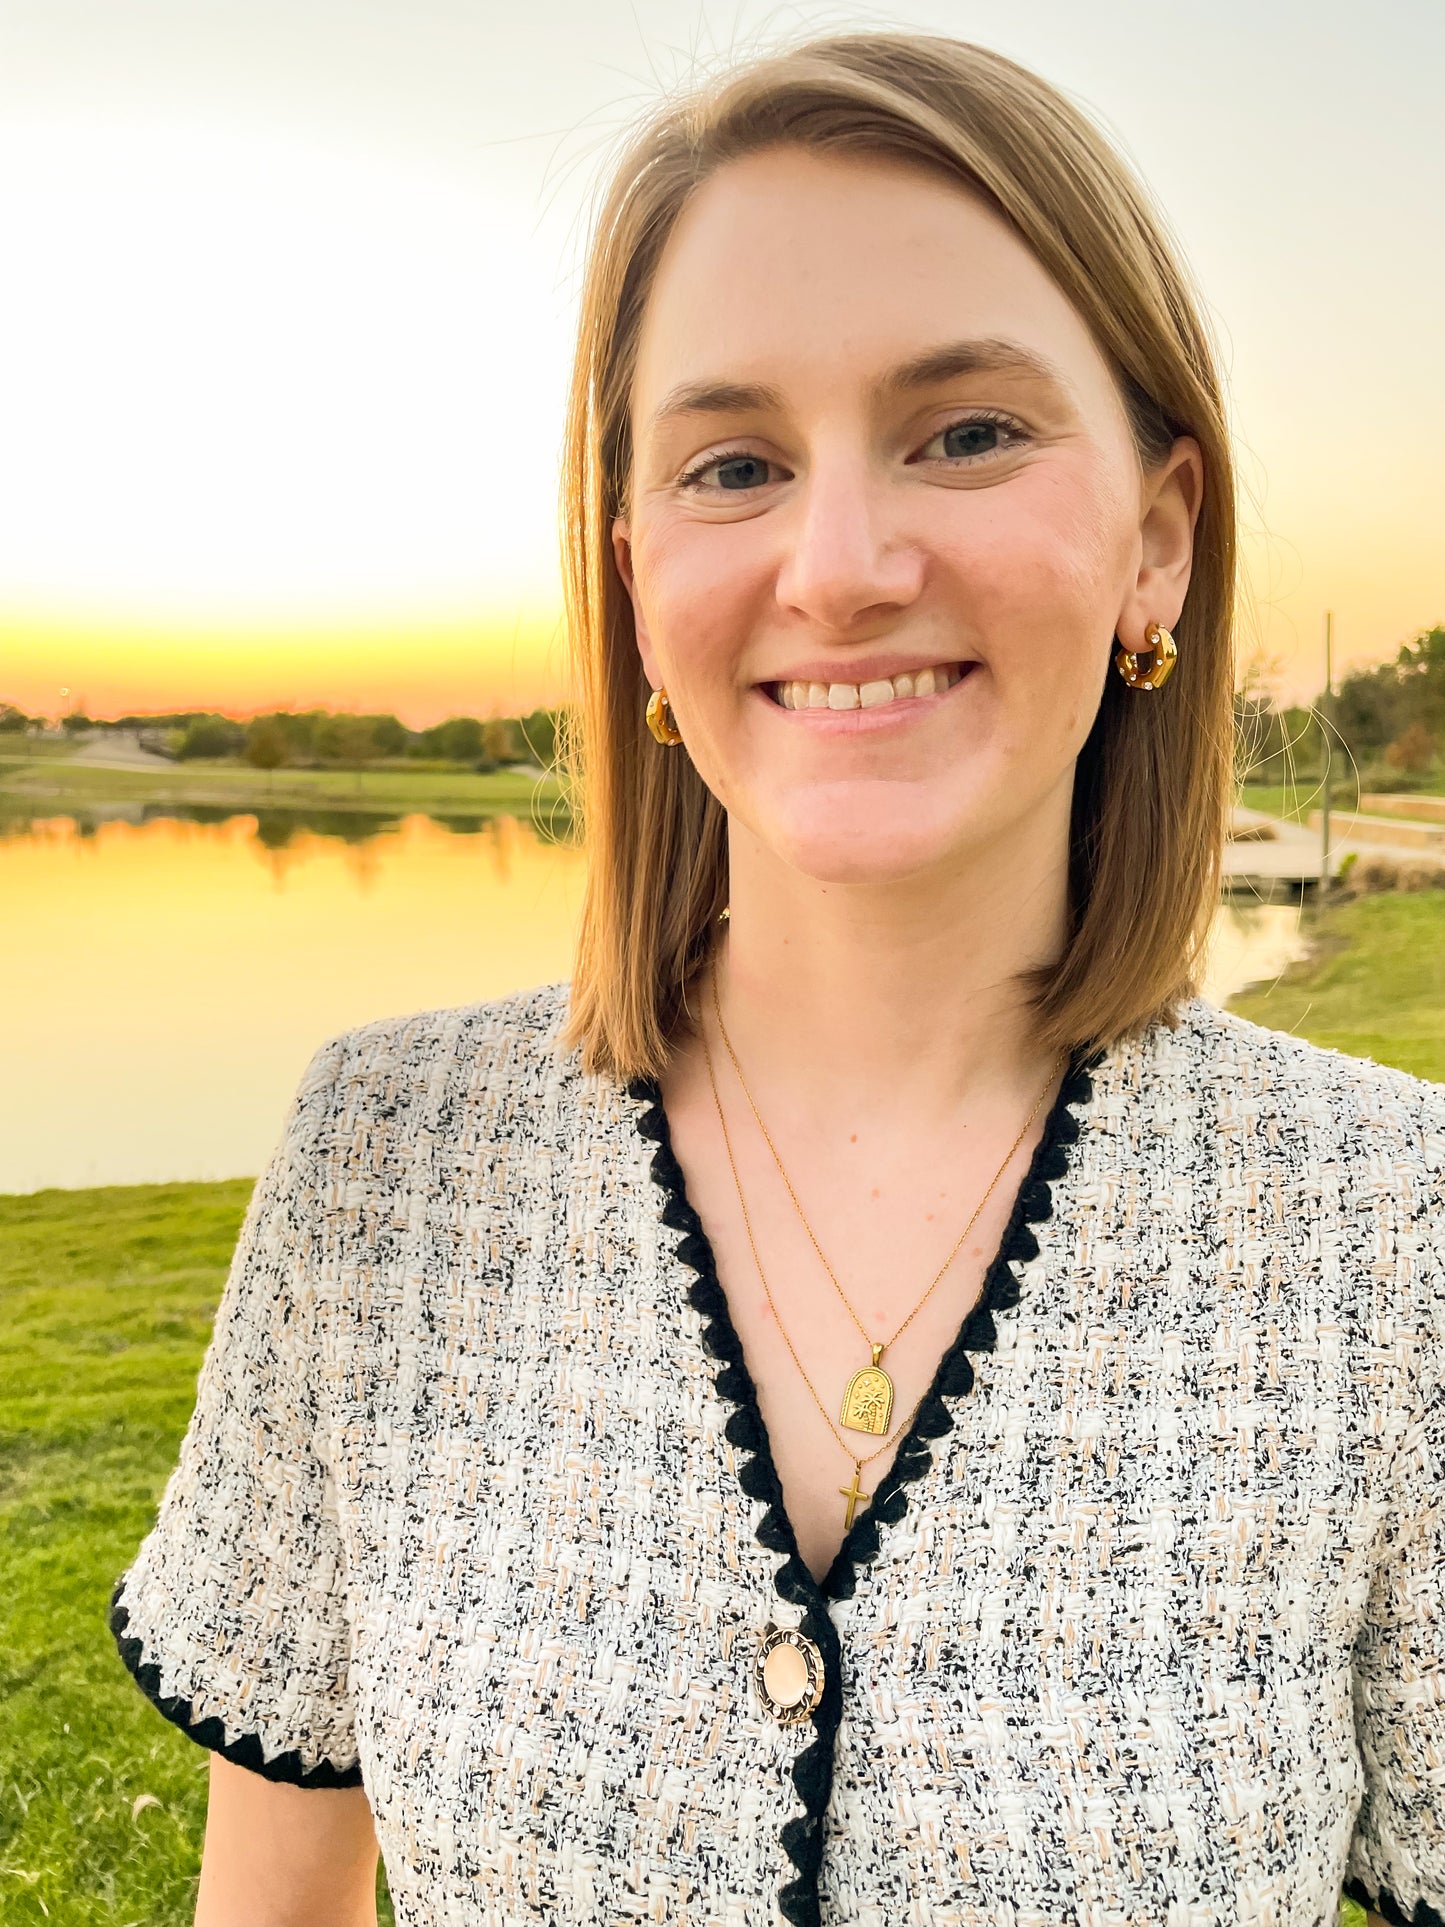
[866,846]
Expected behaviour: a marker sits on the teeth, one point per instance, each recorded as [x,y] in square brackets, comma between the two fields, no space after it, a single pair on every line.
[868,695]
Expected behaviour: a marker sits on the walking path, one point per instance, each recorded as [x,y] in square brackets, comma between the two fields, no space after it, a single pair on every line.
[1292,854]
[117,750]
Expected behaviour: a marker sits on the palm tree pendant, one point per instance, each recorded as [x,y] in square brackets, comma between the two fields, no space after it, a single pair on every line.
[868,1401]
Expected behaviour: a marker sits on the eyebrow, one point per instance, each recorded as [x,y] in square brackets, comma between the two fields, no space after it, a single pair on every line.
[990,354]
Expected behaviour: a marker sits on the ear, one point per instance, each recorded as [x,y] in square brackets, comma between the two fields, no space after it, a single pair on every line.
[622,555]
[1169,504]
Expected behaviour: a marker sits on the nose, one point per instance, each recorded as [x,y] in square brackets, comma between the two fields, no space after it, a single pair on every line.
[847,559]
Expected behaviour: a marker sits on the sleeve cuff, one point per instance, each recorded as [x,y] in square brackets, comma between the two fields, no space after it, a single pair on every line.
[1388,1908]
[286,1768]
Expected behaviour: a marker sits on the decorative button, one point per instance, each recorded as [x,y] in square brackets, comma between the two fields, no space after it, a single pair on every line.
[788,1674]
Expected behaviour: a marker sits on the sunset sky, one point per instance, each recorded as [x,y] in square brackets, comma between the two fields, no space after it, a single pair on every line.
[290,291]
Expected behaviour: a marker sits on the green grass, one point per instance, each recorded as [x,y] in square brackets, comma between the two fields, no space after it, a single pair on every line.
[1374,984]
[1296,800]
[55,785]
[106,1302]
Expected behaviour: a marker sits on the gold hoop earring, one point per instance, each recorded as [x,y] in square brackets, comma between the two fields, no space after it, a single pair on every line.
[1159,648]
[659,718]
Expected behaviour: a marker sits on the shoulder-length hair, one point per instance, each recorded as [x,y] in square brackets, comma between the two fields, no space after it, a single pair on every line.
[1153,780]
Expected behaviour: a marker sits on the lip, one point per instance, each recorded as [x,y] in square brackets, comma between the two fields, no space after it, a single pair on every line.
[895,715]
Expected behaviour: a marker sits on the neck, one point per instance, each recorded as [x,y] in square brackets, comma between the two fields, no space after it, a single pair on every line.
[892,1001]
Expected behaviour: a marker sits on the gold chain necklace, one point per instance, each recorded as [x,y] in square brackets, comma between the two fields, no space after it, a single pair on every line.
[868,1401]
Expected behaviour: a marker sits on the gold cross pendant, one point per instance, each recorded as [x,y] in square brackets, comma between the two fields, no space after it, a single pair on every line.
[853,1493]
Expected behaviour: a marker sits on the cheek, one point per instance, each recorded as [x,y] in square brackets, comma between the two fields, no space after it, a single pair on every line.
[695,593]
[1044,560]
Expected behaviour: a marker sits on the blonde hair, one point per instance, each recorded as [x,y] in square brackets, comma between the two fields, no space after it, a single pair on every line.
[1152,781]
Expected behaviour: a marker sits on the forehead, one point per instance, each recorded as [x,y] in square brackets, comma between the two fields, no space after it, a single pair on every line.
[803,270]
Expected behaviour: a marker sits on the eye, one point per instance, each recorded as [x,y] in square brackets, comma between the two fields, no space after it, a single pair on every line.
[970,440]
[748,471]
[976,437]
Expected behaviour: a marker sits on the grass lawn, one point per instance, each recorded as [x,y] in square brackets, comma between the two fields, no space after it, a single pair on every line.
[106,1302]
[1374,985]
[1296,800]
[54,784]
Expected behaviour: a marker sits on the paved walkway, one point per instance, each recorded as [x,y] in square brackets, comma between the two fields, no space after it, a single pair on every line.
[1293,854]
[118,750]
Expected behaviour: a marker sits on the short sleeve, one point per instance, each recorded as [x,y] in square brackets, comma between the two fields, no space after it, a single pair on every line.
[232,1616]
[1396,1863]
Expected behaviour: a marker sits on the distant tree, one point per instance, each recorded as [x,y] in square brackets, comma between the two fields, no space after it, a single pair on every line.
[540,733]
[13,721]
[211,736]
[1368,709]
[460,739]
[1376,707]
[347,741]
[392,737]
[1421,668]
[76,723]
[268,745]
[1413,750]
[502,740]
[301,727]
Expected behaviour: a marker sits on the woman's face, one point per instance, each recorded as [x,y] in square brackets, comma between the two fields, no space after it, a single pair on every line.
[873,439]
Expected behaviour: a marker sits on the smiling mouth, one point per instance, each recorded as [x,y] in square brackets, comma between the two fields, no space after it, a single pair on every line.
[911,686]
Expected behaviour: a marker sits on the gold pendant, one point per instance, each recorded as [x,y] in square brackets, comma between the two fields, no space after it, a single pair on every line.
[868,1401]
[854,1493]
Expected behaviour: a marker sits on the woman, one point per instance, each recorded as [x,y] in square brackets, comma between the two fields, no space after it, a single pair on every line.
[874,1402]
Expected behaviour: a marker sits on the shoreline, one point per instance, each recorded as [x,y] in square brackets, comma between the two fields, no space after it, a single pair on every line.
[45,786]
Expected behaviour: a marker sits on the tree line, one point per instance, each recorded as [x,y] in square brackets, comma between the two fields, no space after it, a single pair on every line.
[339,739]
[1389,721]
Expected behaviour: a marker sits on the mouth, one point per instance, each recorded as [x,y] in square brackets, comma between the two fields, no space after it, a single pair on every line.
[893,693]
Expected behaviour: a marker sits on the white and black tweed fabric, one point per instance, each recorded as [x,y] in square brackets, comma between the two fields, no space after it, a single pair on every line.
[1144,1628]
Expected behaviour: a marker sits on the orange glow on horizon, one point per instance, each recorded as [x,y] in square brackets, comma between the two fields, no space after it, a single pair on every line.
[421,671]
[508,663]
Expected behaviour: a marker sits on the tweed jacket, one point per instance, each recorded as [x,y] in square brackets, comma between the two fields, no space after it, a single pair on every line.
[1144,1626]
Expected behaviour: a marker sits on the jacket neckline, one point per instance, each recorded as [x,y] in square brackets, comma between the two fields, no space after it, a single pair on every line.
[802,1837]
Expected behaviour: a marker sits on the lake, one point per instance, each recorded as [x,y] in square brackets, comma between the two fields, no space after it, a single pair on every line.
[163,982]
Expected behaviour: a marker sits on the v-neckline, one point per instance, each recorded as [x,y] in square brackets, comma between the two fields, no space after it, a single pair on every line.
[794,1583]
[954,1374]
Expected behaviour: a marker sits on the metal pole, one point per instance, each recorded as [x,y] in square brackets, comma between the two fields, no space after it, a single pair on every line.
[1325,724]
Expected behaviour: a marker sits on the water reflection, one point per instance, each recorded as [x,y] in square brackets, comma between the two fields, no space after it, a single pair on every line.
[1250,943]
[164,982]
[275,827]
[166,975]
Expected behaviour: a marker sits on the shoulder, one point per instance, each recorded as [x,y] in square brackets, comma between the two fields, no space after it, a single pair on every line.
[1288,1161]
[1280,1082]
[508,1039]
[390,1092]
[1295,1140]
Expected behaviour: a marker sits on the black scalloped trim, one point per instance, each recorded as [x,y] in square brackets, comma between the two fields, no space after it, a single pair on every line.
[287,1768]
[813,1769]
[1388,1908]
